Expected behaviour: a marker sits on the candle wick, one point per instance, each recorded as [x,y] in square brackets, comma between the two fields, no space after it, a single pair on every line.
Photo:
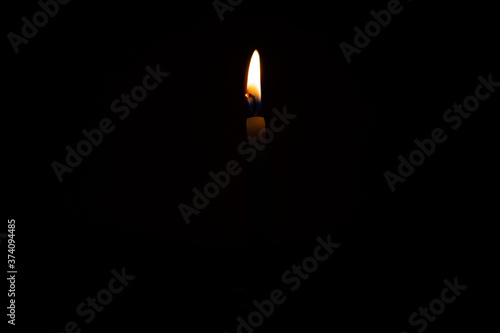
[252,104]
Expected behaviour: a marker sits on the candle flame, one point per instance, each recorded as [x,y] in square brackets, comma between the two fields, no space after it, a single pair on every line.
[253,94]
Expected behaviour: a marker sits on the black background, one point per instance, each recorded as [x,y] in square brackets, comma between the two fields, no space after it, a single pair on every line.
[119,208]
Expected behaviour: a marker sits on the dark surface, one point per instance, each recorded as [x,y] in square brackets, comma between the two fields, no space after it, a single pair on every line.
[119,208]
